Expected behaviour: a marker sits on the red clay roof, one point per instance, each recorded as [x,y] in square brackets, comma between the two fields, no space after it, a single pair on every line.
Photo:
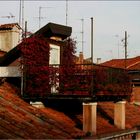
[9,26]
[19,119]
[131,63]
[105,118]
[132,113]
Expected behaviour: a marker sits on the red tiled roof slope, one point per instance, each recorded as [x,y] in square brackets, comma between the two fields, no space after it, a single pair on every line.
[103,124]
[59,116]
[19,119]
[132,113]
[105,118]
[131,63]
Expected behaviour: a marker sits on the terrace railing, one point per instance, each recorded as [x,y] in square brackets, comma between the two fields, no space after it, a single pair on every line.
[77,80]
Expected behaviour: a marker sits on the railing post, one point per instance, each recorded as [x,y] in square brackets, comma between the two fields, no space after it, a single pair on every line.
[89,117]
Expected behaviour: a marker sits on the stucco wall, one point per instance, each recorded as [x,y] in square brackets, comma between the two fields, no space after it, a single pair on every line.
[10,71]
[5,40]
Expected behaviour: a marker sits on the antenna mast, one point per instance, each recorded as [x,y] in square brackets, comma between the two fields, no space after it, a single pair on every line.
[82,32]
[23,15]
[125,45]
[40,17]
[20,13]
[66,12]
[92,39]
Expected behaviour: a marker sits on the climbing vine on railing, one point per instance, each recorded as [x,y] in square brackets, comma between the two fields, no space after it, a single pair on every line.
[67,78]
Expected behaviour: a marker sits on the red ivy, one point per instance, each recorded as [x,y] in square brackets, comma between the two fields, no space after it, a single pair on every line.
[71,78]
[69,52]
[35,58]
[39,76]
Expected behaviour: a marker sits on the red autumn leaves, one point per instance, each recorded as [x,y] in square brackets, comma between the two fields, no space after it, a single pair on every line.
[35,58]
[67,78]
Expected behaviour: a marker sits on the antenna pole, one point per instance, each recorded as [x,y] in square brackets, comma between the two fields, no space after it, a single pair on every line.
[92,55]
[23,14]
[92,39]
[39,16]
[20,13]
[125,45]
[82,35]
[66,12]
[25,29]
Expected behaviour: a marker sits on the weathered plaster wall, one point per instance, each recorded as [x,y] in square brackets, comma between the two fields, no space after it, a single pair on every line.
[10,71]
[9,39]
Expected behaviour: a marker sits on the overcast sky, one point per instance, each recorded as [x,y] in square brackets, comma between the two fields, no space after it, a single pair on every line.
[111,20]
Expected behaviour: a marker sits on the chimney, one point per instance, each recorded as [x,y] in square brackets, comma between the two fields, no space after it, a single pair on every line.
[9,36]
[98,60]
[81,58]
[89,117]
[119,114]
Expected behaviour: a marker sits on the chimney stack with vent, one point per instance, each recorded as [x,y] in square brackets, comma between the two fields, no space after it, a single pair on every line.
[98,60]
[81,58]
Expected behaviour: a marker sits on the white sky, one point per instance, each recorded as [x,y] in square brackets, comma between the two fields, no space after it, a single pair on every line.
[110,18]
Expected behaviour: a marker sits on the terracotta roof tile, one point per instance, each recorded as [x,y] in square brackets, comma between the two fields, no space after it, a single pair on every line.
[105,118]
[132,113]
[131,63]
[59,116]
[18,119]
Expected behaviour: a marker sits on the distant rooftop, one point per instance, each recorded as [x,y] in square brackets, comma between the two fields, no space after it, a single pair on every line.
[131,63]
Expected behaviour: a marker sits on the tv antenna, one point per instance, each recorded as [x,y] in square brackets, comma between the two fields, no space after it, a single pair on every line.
[82,32]
[125,43]
[9,16]
[40,17]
